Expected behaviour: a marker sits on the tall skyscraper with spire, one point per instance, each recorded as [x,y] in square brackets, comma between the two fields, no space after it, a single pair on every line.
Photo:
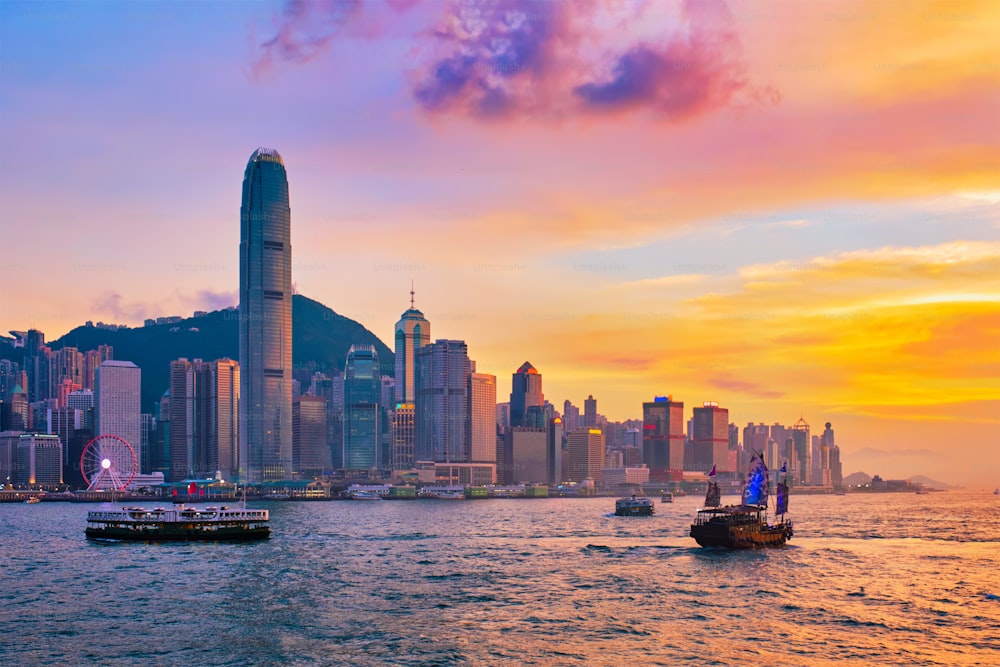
[265,320]
[412,333]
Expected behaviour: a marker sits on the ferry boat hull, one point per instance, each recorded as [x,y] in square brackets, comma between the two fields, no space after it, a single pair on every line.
[178,534]
[634,507]
[186,525]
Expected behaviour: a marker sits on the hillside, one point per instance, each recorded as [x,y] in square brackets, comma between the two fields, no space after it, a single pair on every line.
[320,340]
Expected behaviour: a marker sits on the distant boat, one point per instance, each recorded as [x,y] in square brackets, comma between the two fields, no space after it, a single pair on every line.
[634,507]
[667,498]
[921,491]
[32,500]
[365,495]
[996,492]
[744,526]
[443,492]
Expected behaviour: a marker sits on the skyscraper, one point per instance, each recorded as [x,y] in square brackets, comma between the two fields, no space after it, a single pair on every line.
[802,444]
[482,417]
[362,411]
[570,417]
[526,391]
[66,364]
[332,390]
[836,471]
[403,437]
[412,333]
[116,402]
[710,433]
[442,402]
[663,438]
[265,320]
[39,460]
[586,455]
[92,359]
[190,420]
[590,412]
[311,455]
[226,409]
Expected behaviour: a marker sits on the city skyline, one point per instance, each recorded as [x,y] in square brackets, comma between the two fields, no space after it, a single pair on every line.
[777,244]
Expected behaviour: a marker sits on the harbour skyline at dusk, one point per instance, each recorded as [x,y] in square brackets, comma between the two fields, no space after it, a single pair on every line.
[790,210]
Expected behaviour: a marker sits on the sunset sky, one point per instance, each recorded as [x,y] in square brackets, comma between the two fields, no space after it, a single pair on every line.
[791,208]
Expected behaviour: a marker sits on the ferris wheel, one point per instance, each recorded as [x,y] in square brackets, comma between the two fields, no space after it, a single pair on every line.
[108,462]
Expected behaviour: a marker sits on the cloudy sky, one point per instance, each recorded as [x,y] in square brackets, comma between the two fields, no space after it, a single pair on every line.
[791,208]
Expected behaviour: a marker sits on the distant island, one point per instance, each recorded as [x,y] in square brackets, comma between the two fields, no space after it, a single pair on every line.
[865,483]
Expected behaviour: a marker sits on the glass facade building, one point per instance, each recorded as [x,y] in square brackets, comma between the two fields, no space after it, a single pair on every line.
[663,437]
[442,405]
[412,333]
[265,319]
[362,411]
[526,391]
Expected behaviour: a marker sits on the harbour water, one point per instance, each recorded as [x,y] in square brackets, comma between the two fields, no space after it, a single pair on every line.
[887,579]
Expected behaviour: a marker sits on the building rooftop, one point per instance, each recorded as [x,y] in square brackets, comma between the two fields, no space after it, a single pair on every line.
[118,364]
[266,155]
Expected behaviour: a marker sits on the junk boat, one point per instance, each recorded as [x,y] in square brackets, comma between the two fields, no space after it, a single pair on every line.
[744,526]
[633,507]
[184,524]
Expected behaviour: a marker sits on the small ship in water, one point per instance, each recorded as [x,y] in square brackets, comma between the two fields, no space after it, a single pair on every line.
[744,526]
[180,524]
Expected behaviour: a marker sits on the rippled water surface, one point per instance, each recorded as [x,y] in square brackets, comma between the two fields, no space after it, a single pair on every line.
[889,579]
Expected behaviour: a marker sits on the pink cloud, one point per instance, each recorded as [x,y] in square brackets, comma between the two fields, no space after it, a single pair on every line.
[305,28]
[727,381]
[523,58]
[516,57]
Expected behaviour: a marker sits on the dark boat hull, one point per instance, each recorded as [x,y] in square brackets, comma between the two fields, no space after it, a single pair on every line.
[635,511]
[741,536]
[171,533]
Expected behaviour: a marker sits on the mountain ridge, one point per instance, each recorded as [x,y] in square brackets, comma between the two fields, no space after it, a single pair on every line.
[320,340]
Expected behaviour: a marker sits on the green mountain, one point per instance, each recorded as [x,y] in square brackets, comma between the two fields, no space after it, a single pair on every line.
[320,341]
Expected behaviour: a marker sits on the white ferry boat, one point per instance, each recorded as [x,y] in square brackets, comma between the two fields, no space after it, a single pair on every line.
[443,492]
[634,507]
[183,524]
